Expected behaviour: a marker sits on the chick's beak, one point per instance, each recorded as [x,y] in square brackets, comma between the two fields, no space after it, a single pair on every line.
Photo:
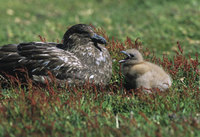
[124,52]
[128,56]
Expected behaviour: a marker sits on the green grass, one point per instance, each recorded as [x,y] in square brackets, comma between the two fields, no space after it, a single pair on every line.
[159,24]
[90,111]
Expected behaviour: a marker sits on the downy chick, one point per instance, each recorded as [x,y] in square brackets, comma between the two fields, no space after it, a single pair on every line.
[139,73]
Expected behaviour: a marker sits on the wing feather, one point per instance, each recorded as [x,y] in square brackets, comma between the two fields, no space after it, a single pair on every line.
[9,57]
[43,57]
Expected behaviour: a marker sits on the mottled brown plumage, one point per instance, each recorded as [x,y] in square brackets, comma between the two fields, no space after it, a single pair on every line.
[81,58]
[139,73]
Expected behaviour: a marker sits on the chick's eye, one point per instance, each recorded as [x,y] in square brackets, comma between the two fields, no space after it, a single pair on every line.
[132,55]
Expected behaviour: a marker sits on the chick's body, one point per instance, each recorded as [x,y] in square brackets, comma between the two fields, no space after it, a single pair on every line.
[139,73]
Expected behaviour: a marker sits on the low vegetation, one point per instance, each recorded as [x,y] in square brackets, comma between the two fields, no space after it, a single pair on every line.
[33,110]
[105,111]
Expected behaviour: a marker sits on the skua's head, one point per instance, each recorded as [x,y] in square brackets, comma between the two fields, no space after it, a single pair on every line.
[82,34]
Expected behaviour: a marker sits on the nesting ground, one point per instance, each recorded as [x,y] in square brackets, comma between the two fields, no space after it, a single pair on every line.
[91,111]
